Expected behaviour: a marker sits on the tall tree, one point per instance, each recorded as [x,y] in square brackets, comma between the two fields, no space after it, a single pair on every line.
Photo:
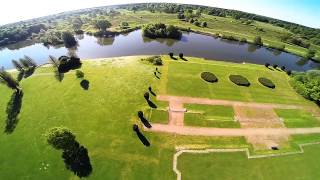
[103,24]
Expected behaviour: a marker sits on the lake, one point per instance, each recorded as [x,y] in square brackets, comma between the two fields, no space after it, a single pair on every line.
[134,43]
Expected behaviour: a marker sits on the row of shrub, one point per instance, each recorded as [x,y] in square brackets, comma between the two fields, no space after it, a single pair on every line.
[237,79]
[275,66]
[196,22]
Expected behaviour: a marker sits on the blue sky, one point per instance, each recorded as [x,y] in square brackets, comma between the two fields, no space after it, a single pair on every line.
[306,12]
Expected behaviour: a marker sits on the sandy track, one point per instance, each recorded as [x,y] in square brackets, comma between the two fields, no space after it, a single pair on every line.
[202,131]
[191,100]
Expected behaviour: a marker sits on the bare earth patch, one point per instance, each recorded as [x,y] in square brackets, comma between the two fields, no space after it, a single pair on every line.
[259,123]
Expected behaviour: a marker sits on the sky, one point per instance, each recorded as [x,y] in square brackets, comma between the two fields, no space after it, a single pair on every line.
[305,12]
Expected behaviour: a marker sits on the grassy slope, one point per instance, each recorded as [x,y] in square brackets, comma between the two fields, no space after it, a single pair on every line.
[237,166]
[101,118]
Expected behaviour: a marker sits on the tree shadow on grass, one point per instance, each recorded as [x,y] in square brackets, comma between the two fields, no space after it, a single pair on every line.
[144,120]
[151,92]
[29,72]
[13,110]
[77,160]
[20,76]
[85,84]
[151,104]
[155,74]
[141,137]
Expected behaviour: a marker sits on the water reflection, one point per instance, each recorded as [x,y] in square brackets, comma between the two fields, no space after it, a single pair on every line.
[191,44]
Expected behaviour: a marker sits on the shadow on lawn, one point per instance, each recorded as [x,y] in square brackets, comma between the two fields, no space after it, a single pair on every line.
[77,160]
[13,110]
[85,84]
[141,137]
[144,120]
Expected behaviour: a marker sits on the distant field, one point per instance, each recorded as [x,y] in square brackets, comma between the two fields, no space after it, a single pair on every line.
[236,165]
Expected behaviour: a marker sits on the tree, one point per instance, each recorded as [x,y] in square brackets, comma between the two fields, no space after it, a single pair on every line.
[124,24]
[181,16]
[8,80]
[103,25]
[267,64]
[77,23]
[204,24]
[258,41]
[307,84]
[171,54]
[68,39]
[181,55]
[60,138]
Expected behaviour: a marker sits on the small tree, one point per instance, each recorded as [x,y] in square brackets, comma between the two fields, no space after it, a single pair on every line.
[267,64]
[68,39]
[181,55]
[171,54]
[258,41]
[79,74]
[204,24]
[60,138]
[275,66]
[283,68]
[103,24]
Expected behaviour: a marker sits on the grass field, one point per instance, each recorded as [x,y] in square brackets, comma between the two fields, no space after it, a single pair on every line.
[297,118]
[102,117]
[210,116]
[237,166]
[184,76]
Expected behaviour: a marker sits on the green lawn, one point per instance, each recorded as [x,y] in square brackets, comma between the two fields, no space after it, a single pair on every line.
[237,166]
[101,118]
[297,118]
[210,116]
[184,80]
[159,116]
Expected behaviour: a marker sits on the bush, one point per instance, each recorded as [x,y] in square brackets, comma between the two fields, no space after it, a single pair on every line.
[155,60]
[171,54]
[161,31]
[307,84]
[209,77]
[79,74]
[204,24]
[266,82]
[267,64]
[146,95]
[60,138]
[258,41]
[181,55]
[275,66]
[67,63]
[289,72]
[239,80]
[243,40]
[283,68]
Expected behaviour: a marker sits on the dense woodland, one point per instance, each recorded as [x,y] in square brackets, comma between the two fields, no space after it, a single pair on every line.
[53,30]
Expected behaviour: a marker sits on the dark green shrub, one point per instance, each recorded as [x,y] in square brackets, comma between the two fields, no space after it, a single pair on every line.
[60,137]
[258,41]
[171,54]
[239,80]
[146,95]
[181,55]
[209,77]
[79,74]
[155,60]
[283,68]
[289,72]
[267,64]
[204,24]
[266,82]
[275,66]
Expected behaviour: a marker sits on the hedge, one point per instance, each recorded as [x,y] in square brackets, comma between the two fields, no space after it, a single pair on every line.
[239,80]
[266,82]
[209,77]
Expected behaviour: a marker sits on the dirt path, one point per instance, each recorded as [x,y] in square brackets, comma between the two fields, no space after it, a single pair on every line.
[202,131]
[191,100]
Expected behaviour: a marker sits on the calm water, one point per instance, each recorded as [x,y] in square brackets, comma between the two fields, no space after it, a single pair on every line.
[134,43]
